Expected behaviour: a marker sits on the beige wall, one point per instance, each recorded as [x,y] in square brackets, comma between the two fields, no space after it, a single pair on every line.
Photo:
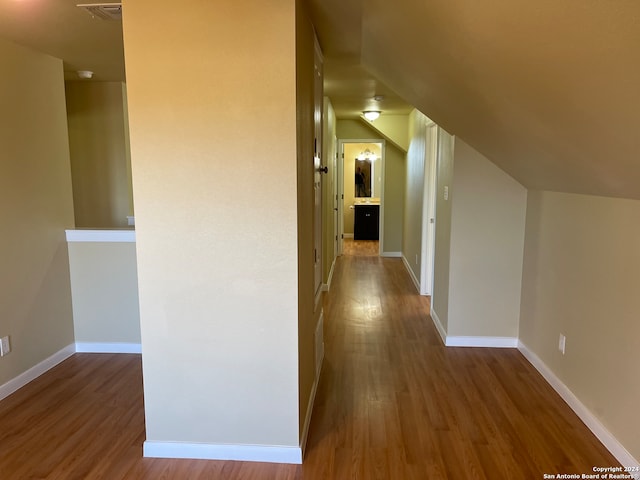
[395,166]
[104,287]
[127,147]
[414,193]
[36,207]
[394,181]
[581,278]
[100,167]
[487,242]
[444,178]
[216,218]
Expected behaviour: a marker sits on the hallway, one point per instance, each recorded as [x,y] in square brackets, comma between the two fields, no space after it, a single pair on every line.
[392,403]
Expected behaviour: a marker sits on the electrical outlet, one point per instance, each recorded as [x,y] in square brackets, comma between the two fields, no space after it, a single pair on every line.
[562,342]
[5,346]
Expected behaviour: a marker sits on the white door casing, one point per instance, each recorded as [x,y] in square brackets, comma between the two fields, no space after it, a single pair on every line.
[429,211]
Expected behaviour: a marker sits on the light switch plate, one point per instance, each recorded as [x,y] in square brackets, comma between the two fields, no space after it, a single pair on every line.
[5,346]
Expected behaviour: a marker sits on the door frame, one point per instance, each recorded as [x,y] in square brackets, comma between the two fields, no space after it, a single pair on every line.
[427,254]
[340,183]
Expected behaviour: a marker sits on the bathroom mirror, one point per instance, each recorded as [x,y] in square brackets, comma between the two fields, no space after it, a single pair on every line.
[363,173]
[363,160]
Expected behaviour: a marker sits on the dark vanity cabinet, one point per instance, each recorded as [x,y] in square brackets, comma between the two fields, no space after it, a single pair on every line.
[366,222]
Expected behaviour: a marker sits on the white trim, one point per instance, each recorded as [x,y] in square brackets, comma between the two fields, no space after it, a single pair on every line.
[327,286]
[307,419]
[94,347]
[383,166]
[319,344]
[125,236]
[391,254]
[319,333]
[209,451]
[439,326]
[34,372]
[427,251]
[590,420]
[347,235]
[411,274]
[331,270]
[486,342]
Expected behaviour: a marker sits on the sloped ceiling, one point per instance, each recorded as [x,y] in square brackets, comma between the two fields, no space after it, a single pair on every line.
[548,90]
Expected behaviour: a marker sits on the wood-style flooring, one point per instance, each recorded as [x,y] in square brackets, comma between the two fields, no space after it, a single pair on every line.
[392,403]
[361,248]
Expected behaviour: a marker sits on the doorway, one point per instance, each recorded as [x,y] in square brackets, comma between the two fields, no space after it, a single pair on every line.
[361,196]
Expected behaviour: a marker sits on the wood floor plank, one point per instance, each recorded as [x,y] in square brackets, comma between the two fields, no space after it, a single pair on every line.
[392,403]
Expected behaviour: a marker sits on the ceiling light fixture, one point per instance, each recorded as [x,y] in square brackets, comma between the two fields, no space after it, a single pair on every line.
[371,115]
[84,74]
[367,155]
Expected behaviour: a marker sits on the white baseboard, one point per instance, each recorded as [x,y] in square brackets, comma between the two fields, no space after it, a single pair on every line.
[93,347]
[347,235]
[319,346]
[307,419]
[35,371]
[486,342]
[331,270]
[327,286]
[438,324]
[608,440]
[411,274]
[319,343]
[208,451]
[391,254]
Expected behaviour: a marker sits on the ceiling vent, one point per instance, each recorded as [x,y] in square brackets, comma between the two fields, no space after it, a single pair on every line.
[103,11]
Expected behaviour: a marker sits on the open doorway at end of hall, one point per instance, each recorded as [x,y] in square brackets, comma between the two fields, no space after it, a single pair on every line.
[361,190]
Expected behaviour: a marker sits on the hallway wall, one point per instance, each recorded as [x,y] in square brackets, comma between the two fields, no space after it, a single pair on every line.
[487,244]
[36,206]
[479,248]
[440,297]
[414,193]
[96,114]
[581,278]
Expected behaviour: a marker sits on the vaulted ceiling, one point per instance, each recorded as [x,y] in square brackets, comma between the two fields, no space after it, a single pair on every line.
[548,90]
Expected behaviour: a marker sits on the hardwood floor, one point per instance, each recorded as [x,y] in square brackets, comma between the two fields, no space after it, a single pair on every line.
[392,403]
[361,248]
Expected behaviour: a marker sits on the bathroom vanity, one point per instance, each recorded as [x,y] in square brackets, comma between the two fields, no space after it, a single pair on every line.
[366,221]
